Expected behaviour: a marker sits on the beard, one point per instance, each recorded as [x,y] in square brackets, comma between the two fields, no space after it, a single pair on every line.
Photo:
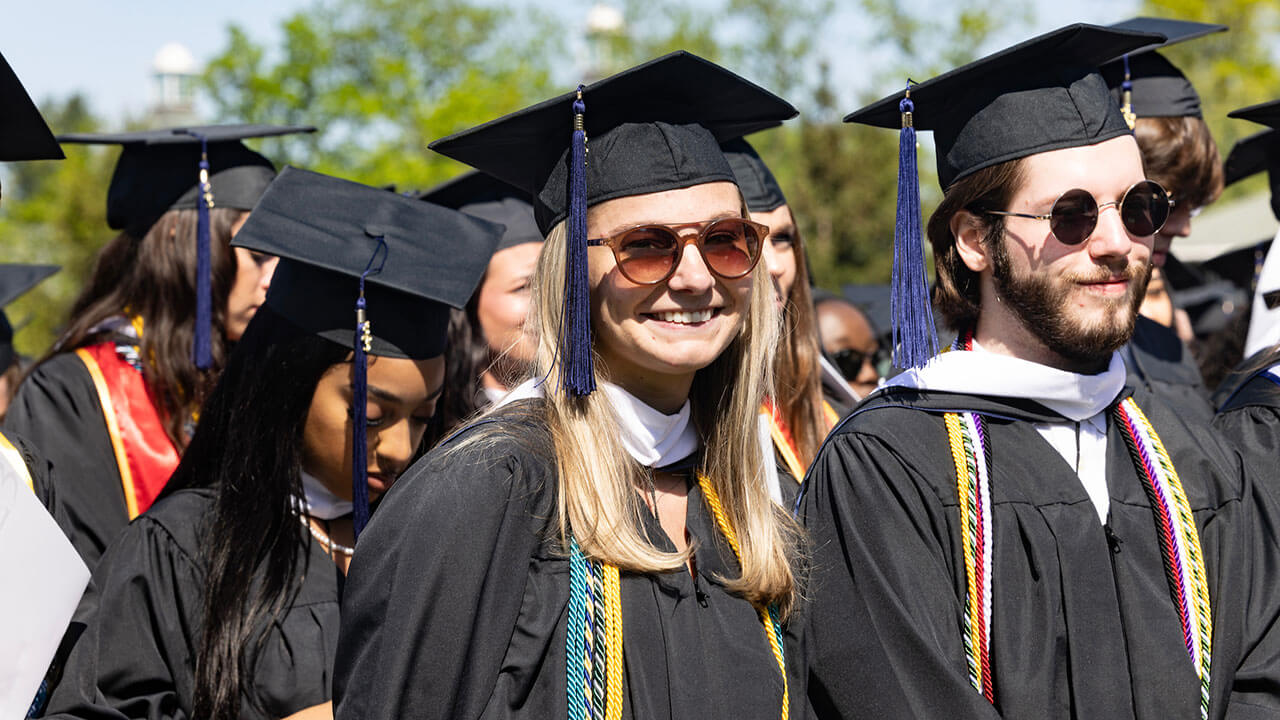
[1041,302]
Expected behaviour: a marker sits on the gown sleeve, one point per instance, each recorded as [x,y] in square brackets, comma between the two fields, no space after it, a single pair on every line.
[56,408]
[884,632]
[42,482]
[141,616]
[436,585]
[1255,433]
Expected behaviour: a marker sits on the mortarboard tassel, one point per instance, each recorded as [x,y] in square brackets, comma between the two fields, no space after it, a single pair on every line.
[577,373]
[360,401]
[915,340]
[202,343]
[1126,102]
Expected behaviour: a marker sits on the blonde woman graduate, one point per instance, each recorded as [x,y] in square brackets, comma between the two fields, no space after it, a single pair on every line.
[603,545]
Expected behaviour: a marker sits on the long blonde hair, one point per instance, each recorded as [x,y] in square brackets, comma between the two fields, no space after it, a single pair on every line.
[597,479]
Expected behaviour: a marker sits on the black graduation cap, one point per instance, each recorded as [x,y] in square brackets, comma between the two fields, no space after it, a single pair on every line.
[1039,95]
[326,231]
[368,269]
[159,170]
[488,198]
[1258,152]
[16,279]
[23,133]
[1267,113]
[1144,82]
[654,127]
[198,167]
[680,104]
[759,188]
[1249,156]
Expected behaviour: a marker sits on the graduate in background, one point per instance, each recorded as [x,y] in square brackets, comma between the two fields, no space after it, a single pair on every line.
[851,341]
[1249,417]
[603,545]
[114,402]
[490,350]
[18,280]
[1008,529]
[221,601]
[798,417]
[43,575]
[1178,151]
[1229,334]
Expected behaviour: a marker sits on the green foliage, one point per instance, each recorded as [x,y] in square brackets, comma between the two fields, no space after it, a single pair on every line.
[1230,70]
[381,79]
[55,213]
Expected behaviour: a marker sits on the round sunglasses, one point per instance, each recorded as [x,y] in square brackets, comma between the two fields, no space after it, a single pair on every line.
[649,254]
[1143,211]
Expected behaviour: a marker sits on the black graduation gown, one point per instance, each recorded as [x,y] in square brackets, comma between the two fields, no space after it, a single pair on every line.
[143,610]
[41,472]
[455,604]
[57,408]
[1157,360]
[1082,622]
[1249,419]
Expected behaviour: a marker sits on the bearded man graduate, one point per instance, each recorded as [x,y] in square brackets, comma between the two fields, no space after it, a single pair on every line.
[1008,529]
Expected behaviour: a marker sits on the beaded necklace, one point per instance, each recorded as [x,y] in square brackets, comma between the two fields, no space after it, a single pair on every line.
[593,644]
[1177,534]
[329,544]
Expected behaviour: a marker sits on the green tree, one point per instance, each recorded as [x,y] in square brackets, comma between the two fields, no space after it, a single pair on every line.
[55,213]
[1230,70]
[381,79]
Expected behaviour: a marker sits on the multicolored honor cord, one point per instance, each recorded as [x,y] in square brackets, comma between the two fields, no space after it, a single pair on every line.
[1178,537]
[967,434]
[593,644]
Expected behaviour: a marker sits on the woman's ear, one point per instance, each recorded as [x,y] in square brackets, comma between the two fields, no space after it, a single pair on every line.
[969,231]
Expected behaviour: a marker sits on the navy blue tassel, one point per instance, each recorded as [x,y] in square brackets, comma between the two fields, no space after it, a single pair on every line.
[202,344]
[915,339]
[360,401]
[576,371]
[1126,102]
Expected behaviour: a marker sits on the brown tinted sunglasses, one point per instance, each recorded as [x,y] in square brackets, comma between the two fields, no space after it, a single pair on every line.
[649,254]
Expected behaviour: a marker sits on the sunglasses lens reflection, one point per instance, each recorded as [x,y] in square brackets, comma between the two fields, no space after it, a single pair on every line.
[646,253]
[730,248]
[1144,209]
[1074,216]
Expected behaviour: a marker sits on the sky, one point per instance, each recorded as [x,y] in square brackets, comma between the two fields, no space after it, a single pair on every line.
[105,49]
[58,47]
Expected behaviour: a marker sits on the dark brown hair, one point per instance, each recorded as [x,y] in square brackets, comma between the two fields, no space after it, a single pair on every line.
[796,377]
[153,278]
[1180,154]
[956,290]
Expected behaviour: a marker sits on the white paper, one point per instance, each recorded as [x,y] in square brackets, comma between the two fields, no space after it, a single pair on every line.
[43,581]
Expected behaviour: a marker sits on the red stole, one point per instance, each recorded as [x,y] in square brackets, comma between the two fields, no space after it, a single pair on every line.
[144,453]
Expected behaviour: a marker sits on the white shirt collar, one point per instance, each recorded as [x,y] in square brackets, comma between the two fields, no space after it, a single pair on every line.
[651,437]
[319,501]
[978,372]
